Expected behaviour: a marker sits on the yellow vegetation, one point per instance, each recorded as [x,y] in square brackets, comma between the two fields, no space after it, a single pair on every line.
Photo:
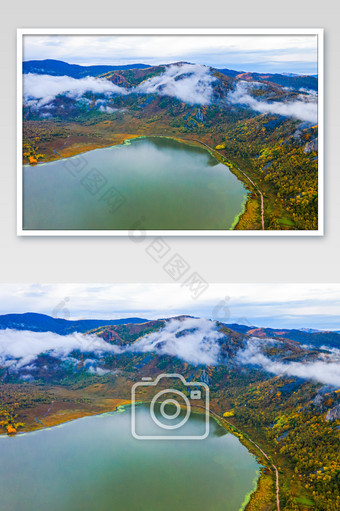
[229,414]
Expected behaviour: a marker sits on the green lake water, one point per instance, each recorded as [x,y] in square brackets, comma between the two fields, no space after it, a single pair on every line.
[153,183]
[95,464]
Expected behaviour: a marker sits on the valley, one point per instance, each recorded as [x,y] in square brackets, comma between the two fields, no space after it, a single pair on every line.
[277,152]
[291,417]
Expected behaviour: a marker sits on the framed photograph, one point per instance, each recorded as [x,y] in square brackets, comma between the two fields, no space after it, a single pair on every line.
[185,132]
[229,393]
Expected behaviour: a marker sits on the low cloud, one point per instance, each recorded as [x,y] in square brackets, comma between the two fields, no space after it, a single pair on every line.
[191,340]
[191,83]
[195,341]
[108,109]
[305,109]
[19,348]
[324,370]
[99,371]
[45,88]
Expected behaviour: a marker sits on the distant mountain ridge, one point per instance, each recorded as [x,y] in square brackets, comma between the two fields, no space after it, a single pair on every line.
[313,337]
[283,79]
[269,130]
[277,395]
[44,323]
[60,68]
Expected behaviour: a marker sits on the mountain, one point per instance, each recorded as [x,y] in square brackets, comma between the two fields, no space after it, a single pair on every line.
[230,72]
[133,325]
[198,341]
[283,79]
[43,323]
[310,330]
[243,329]
[307,336]
[60,68]
[267,134]
[273,392]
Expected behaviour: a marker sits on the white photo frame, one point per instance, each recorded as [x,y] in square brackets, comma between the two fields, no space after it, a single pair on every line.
[206,233]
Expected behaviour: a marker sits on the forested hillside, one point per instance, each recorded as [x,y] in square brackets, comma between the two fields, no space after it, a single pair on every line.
[265,128]
[274,393]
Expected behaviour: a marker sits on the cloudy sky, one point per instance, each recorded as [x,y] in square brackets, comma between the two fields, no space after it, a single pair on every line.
[261,53]
[267,305]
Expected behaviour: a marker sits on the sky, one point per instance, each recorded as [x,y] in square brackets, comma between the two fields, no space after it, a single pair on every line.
[255,53]
[266,305]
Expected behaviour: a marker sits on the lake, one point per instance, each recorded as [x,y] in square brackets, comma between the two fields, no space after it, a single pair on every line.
[154,183]
[95,463]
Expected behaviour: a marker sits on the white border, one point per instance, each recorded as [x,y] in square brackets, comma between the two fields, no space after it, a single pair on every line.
[174,31]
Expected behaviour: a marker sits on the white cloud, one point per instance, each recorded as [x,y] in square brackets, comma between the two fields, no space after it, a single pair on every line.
[108,109]
[45,88]
[20,348]
[187,82]
[275,305]
[191,83]
[99,371]
[195,341]
[270,305]
[305,109]
[220,51]
[320,370]
[192,340]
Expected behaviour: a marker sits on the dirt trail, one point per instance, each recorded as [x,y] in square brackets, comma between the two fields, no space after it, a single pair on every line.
[45,415]
[261,195]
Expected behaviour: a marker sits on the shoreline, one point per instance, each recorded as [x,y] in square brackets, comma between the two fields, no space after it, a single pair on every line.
[264,461]
[191,142]
[122,404]
[65,415]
